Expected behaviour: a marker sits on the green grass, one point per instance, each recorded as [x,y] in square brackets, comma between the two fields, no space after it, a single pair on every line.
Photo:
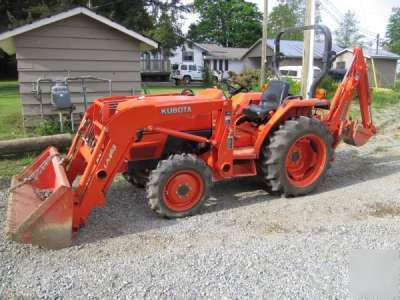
[10,111]
[12,165]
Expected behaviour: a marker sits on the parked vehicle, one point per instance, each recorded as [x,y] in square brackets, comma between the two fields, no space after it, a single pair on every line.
[295,72]
[186,73]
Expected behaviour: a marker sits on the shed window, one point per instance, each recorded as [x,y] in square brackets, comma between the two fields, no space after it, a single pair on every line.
[341,65]
[226,65]
[187,55]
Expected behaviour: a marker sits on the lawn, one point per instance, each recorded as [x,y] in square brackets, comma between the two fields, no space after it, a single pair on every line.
[10,111]
[11,117]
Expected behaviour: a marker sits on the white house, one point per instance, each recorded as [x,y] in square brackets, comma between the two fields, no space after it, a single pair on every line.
[218,58]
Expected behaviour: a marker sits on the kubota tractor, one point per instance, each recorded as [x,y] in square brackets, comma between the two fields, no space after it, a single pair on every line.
[176,145]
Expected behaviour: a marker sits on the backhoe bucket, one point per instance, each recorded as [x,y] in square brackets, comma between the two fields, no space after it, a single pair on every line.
[357,135]
[40,209]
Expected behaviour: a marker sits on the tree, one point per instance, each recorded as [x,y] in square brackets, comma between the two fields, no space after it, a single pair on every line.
[157,18]
[234,23]
[393,31]
[347,34]
[167,32]
[281,17]
[290,13]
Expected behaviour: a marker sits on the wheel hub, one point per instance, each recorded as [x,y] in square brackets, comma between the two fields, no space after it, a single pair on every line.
[305,160]
[183,190]
[295,156]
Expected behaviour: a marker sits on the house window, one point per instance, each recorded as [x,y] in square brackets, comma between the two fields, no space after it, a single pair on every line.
[187,55]
[284,72]
[220,65]
[341,65]
[215,63]
[192,68]
[226,65]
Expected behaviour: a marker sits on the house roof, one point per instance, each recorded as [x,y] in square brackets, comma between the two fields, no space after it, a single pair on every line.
[294,49]
[369,52]
[216,51]
[7,42]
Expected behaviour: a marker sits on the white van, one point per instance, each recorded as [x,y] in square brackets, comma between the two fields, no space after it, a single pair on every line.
[186,72]
[295,72]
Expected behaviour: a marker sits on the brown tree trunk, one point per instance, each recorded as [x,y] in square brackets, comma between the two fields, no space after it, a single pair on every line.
[24,145]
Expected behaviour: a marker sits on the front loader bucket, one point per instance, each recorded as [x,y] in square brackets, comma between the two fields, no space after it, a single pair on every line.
[40,211]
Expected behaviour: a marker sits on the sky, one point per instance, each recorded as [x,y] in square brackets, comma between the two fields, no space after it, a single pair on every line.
[373,15]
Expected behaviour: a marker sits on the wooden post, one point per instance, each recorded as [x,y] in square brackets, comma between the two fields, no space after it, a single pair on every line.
[308,53]
[374,72]
[264,44]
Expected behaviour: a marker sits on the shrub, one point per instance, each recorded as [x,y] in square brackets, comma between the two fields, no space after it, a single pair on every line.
[231,74]
[51,126]
[208,78]
[251,78]
[295,86]
[329,85]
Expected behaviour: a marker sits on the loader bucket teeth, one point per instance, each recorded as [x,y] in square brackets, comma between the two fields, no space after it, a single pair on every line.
[40,211]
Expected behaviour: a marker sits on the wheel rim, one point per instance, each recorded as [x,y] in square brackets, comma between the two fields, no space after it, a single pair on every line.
[183,190]
[305,160]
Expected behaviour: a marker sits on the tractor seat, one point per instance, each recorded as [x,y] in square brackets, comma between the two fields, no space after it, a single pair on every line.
[273,96]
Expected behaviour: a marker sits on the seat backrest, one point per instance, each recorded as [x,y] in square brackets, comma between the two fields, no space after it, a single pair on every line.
[276,92]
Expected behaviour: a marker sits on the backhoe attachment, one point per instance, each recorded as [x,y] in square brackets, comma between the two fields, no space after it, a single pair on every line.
[354,83]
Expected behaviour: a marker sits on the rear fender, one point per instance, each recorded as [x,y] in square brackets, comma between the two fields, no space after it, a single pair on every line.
[287,110]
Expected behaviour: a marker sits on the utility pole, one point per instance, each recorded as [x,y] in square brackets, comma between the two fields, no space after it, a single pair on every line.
[264,44]
[308,53]
[378,36]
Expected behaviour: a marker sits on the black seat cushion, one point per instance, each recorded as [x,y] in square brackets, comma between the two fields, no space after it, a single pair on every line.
[273,96]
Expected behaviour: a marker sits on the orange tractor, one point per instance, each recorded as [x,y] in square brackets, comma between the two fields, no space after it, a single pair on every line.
[177,144]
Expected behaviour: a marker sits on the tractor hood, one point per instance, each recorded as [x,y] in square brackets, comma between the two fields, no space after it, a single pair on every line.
[171,99]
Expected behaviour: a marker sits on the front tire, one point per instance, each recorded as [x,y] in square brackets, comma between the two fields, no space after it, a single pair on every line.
[179,186]
[137,179]
[297,157]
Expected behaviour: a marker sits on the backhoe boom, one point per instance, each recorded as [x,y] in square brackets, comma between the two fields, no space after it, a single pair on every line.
[354,82]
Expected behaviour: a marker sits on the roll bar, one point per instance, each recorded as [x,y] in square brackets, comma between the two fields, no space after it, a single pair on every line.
[327,58]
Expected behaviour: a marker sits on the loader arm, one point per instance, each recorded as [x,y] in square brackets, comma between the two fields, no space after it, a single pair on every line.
[354,83]
[53,198]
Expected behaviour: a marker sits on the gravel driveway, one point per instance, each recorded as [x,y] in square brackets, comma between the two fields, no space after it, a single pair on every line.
[244,244]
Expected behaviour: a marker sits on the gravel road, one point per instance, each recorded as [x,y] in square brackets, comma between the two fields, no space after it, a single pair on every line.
[244,244]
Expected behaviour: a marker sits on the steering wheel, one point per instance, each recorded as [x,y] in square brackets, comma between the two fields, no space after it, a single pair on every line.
[187,92]
[235,90]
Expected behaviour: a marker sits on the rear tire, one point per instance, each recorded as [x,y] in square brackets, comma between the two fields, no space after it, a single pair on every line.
[187,80]
[179,186]
[297,157]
